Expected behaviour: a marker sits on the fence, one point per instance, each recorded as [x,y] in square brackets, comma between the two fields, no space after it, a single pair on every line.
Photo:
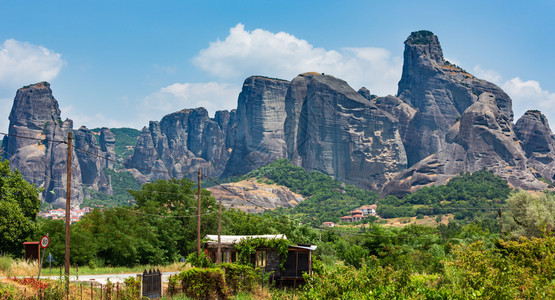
[88,290]
[152,284]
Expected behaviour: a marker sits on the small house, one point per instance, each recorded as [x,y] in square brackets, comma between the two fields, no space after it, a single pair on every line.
[368,210]
[297,262]
[328,224]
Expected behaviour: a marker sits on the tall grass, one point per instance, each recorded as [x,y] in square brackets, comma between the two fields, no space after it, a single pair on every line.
[18,267]
[6,265]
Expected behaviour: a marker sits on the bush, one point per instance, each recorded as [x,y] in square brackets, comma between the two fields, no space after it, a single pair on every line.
[203,283]
[199,261]
[239,278]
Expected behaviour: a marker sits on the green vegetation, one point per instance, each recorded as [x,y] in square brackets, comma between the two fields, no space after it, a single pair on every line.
[326,199]
[19,205]
[422,37]
[126,139]
[467,196]
[122,182]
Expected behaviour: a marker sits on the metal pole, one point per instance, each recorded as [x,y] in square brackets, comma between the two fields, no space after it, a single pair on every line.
[198,215]
[68,205]
[42,260]
[219,253]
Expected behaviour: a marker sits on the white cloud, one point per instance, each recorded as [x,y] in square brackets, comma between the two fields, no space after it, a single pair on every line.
[23,63]
[489,75]
[212,95]
[260,52]
[528,95]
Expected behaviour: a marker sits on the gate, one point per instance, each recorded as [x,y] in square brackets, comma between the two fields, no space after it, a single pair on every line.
[152,284]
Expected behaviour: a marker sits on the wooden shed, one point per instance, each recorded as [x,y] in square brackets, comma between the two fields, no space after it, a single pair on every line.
[299,257]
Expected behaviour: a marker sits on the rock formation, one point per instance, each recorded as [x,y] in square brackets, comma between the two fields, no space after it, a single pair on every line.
[442,122]
[180,144]
[440,92]
[538,142]
[36,144]
[483,138]
[260,116]
[333,129]
[91,161]
[260,196]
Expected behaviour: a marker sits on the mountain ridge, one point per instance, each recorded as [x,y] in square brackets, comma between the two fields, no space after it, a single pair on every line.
[442,122]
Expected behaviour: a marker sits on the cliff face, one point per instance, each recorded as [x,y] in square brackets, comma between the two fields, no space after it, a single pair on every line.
[444,121]
[35,117]
[181,143]
[260,116]
[332,128]
[483,138]
[538,142]
[440,92]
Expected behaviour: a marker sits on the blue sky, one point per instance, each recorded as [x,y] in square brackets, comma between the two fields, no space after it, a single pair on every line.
[124,63]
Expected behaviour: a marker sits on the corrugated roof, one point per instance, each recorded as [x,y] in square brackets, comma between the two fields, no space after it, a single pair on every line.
[234,239]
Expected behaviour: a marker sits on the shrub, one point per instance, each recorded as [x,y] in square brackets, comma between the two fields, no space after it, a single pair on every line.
[239,278]
[199,261]
[203,283]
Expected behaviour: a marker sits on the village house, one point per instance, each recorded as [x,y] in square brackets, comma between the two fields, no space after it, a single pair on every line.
[368,210]
[356,215]
[299,257]
[328,224]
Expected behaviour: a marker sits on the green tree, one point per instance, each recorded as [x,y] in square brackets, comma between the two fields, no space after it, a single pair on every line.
[529,215]
[172,207]
[19,205]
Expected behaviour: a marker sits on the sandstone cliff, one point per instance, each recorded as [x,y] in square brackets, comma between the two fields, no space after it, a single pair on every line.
[180,144]
[42,159]
[260,117]
[333,129]
[440,92]
[538,143]
[483,138]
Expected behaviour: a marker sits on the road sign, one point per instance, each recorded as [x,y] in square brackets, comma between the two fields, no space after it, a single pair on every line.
[44,241]
[49,258]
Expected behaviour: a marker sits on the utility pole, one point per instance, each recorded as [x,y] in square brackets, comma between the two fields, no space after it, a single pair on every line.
[68,206]
[219,253]
[198,216]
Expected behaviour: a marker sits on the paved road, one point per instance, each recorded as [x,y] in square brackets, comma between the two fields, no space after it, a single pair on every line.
[103,279]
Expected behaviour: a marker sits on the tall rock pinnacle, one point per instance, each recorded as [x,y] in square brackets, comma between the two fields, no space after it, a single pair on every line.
[35,114]
[440,92]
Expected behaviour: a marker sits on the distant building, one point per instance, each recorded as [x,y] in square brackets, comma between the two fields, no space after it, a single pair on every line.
[328,224]
[356,215]
[368,210]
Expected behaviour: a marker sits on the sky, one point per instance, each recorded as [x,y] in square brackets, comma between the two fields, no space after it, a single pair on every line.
[124,63]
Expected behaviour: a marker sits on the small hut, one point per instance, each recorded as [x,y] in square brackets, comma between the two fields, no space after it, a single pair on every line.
[298,261]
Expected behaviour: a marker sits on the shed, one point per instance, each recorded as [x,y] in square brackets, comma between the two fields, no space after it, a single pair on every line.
[298,261]
[32,250]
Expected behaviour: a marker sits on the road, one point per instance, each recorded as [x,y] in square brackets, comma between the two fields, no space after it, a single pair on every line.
[103,278]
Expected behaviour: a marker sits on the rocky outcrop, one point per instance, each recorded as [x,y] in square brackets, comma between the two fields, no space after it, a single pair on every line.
[252,196]
[538,142]
[181,143]
[440,92]
[260,117]
[108,147]
[91,161]
[333,129]
[36,144]
[483,138]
